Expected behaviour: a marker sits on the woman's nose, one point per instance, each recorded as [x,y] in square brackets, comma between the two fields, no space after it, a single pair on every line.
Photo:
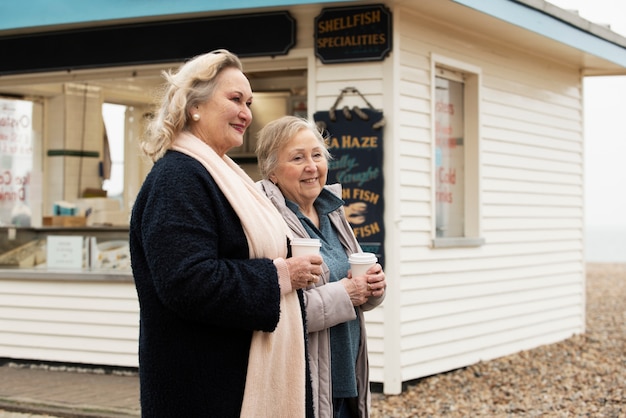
[246,114]
[311,164]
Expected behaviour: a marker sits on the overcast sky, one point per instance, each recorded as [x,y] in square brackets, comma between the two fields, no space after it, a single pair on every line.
[605,124]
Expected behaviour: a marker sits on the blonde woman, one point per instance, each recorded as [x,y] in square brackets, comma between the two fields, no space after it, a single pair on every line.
[221,326]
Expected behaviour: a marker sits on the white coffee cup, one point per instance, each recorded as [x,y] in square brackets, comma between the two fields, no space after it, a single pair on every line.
[305,246]
[361,262]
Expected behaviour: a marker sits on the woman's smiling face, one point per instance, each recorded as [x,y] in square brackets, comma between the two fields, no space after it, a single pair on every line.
[225,117]
[302,169]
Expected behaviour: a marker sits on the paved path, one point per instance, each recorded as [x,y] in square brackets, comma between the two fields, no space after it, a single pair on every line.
[67,393]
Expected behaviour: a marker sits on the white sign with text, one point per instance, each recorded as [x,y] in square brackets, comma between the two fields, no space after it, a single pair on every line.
[65,252]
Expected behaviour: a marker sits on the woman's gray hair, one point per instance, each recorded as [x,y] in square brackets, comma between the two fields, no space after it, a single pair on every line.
[192,84]
[273,137]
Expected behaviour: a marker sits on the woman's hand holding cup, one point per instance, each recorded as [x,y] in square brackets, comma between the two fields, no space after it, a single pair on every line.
[365,264]
[304,270]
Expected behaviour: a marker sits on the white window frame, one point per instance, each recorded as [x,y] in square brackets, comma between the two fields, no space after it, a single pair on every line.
[471,76]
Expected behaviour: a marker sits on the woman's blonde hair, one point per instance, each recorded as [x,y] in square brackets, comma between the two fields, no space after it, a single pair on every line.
[273,137]
[192,84]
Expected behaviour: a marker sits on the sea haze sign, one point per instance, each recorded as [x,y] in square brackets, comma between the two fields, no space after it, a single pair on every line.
[350,34]
[357,164]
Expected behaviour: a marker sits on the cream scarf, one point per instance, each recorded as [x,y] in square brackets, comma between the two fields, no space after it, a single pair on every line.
[276,378]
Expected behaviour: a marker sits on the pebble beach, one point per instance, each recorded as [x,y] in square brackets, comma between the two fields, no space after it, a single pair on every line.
[583,376]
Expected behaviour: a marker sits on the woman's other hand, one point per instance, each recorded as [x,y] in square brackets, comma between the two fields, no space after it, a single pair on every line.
[376,282]
[357,289]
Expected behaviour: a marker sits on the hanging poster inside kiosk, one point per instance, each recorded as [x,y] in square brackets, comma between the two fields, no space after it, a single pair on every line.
[356,145]
[16,164]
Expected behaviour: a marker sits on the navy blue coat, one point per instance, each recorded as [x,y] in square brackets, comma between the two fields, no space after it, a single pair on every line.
[200,295]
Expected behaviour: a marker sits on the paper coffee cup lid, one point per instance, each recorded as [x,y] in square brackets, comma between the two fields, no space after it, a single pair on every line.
[306,242]
[363,258]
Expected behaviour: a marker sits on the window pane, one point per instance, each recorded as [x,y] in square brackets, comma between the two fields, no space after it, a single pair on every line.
[114,118]
[449,158]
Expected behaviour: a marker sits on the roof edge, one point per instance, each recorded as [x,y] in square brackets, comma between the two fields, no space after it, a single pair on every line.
[573,18]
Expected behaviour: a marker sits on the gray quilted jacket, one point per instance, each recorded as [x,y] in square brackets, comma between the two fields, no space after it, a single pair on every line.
[328,304]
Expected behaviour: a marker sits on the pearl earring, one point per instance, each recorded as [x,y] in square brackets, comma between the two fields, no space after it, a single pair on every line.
[195,117]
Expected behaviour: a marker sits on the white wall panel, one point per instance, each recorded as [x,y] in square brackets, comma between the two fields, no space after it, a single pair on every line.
[81,321]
